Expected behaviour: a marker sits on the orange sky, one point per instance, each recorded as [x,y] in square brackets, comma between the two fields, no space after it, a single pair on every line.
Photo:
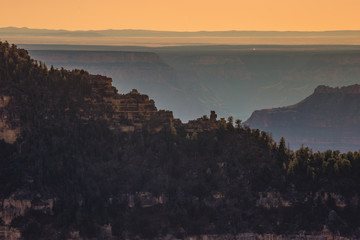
[184,15]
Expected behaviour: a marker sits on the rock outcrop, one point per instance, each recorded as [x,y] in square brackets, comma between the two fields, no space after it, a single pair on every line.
[8,132]
[17,205]
[328,119]
[132,110]
[8,233]
[202,124]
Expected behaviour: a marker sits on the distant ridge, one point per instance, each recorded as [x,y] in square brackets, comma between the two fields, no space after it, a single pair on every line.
[133,37]
[327,119]
[153,33]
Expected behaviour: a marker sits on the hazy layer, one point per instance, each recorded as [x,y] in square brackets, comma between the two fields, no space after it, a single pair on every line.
[171,38]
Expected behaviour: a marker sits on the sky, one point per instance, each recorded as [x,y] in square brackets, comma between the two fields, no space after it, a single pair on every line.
[184,15]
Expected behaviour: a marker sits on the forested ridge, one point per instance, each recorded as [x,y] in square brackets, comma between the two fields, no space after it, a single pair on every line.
[225,179]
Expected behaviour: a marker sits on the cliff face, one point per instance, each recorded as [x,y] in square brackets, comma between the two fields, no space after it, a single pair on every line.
[124,112]
[328,119]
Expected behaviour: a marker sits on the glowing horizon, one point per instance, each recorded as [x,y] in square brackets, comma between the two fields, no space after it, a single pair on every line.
[180,31]
[161,15]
